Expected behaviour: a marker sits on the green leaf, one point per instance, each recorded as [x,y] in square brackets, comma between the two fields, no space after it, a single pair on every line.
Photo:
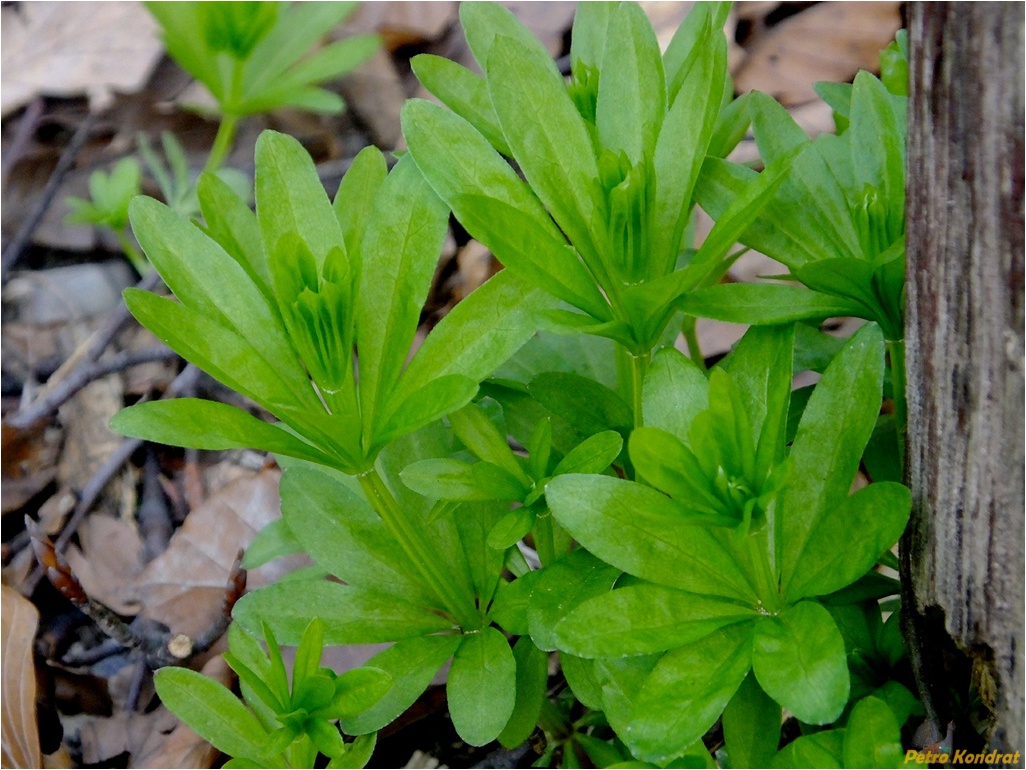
[531,685]
[308,654]
[333,60]
[293,35]
[230,222]
[761,366]
[587,405]
[620,682]
[560,587]
[799,660]
[512,527]
[412,664]
[675,390]
[356,691]
[344,535]
[400,250]
[474,521]
[481,436]
[642,619]
[872,737]
[495,205]
[593,455]
[447,479]
[767,304]
[555,154]
[877,136]
[580,675]
[482,686]
[776,132]
[432,402]
[290,198]
[214,348]
[685,137]
[642,532]
[832,434]
[686,692]
[209,708]
[208,281]
[631,91]
[358,753]
[509,609]
[819,750]
[195,422]
[686,46]
[354,200]
[351,615]
[664,462]
[751,726]
[476,336]
[462,91]
[868,523]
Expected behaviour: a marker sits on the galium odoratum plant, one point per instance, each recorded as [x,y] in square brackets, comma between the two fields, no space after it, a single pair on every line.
[276,723]
[731,540]
[274,304]
[257,56]
[610,161]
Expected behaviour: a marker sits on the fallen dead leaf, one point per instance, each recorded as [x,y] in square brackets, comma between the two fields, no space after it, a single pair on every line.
[19,620]
[69,49]
[402,24]
[108,562]
[375,94]
[829,41]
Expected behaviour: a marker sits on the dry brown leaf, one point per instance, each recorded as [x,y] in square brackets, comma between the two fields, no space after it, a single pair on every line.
[69,49]
[28,463]
[829,41]
[184,586]
[89,441]
[375,93]
[109,561]
[19,620]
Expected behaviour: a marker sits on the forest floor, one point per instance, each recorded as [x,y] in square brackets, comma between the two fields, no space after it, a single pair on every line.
[151,532]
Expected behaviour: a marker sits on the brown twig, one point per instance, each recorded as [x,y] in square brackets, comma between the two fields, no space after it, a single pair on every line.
[81,376]
[86,355]
[26,128]
[91,491]
[12,253]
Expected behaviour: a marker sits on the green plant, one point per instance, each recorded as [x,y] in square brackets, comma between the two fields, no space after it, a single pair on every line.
[109,196]
[255,57]
[275,724]
[700,552]
[252,57]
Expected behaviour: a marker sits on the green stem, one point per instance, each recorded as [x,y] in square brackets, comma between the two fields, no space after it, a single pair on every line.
[222,142]
[139,262]
[420,554]
[691,338]
[896,354]
[639,364]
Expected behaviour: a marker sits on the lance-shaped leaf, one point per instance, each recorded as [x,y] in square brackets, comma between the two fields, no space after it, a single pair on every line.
[351,615]
[642,619]
[531,684]
[631,92]
[462,91]
[555,154]
[412,664]
[646,534]
[675,390]
[290,198]
[448,479]
[868,522]
[231,223]
[767,304]
[201,424]
[354,202]
[832,434]
[751,726]
[400,250]
[494,204]
[686,692]
[210,708]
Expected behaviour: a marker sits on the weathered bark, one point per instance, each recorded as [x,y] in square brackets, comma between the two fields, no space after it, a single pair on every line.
[963,552]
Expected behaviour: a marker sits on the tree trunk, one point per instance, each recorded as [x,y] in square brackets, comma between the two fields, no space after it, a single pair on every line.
[963,551]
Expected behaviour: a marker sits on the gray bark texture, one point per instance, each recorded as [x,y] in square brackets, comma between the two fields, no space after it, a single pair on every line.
[963,551]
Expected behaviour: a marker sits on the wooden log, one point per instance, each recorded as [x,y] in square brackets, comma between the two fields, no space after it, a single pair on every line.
[963,552]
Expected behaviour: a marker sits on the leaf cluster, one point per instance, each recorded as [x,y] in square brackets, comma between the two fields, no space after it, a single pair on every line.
[276,724]
[255,56]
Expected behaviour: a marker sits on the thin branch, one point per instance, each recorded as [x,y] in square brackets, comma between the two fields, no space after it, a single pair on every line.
[12,253]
